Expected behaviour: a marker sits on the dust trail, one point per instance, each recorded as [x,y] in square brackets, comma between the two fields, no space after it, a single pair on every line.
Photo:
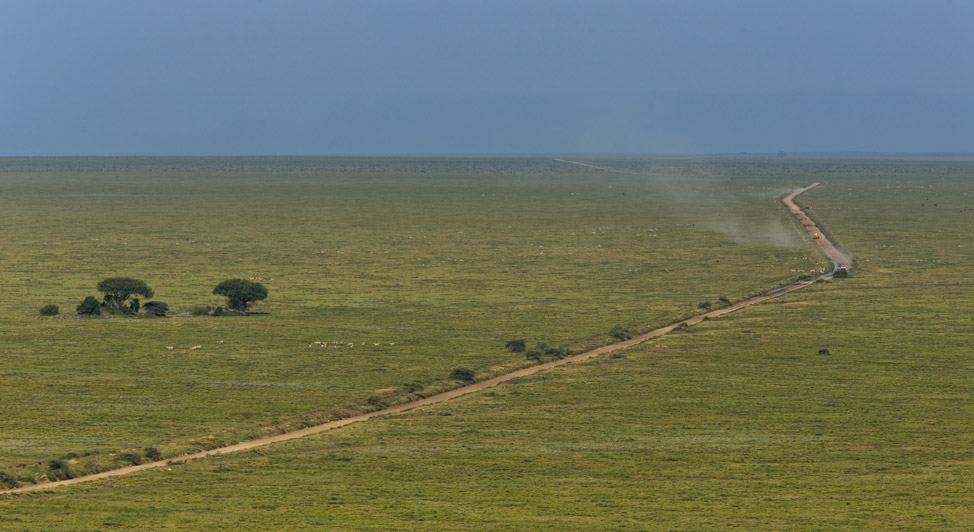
[704,192]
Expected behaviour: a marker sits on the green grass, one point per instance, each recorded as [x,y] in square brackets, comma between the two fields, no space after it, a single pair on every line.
[736,424]
[446,258]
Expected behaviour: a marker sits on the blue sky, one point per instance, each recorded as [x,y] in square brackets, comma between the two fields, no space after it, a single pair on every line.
[453,76]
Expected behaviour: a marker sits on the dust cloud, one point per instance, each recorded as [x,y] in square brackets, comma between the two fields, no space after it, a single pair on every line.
[725,200]
[708,195]
[737,208]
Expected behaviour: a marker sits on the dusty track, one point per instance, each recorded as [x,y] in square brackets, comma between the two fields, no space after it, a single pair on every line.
[604,169]
[837,256]
[830,250]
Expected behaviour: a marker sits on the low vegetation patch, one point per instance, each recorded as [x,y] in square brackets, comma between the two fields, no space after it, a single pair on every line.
[516,346]
[152,454]
[620,333]
[7,481]
[89,306]
[130,458]
[60,469]
[462,373]
[156,309]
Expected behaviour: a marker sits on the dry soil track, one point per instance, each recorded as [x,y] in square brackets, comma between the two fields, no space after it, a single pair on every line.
[835,255]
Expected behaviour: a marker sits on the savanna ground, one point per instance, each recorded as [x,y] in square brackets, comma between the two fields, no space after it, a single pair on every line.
[738,423]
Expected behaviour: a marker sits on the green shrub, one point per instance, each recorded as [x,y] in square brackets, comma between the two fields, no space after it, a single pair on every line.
[705,305]
[413,387]
[89,307]
[620,333]
[462,373]
[824,351]
[152,454]
[374,400]
[533,354]
[49,310]
[724,299]
[60,469]
[93,466]
[156,309]
[132,458]
[516,346]
[556,352]
[201,311]
[840,274]
[218,311]
[7,481]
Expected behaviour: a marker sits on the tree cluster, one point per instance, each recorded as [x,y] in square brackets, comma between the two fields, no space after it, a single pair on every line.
[118,298]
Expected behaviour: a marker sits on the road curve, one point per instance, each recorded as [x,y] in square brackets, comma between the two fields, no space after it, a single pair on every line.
[830,250]
[836,255]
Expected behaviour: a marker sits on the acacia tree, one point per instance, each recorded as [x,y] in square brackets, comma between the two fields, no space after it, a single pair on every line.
[240,293]
[118,289]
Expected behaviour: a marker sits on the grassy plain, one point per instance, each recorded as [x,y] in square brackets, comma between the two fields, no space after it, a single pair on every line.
[446,258]
[737,424]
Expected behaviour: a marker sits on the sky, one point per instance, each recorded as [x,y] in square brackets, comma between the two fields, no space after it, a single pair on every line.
[241,77]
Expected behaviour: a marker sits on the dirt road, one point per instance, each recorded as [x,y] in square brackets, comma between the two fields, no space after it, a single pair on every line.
[834,254]
[837,256]
[604,169]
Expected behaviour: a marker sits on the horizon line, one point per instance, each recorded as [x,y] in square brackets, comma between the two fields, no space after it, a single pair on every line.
[516,154]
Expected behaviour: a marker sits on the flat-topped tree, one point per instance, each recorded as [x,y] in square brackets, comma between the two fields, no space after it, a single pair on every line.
[117,290]
[240,293]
